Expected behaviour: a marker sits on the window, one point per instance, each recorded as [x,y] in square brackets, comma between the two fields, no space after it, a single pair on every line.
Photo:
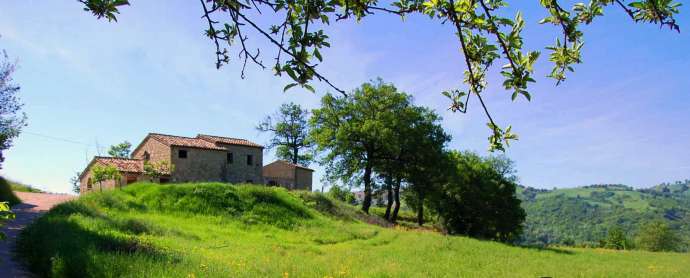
[89,184]
[131,179]
[250,181]
[250,159]
[147,155]
[182,153]
[230,158]
[272,183]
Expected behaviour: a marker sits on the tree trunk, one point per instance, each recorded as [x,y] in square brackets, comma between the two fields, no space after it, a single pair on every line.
[295,155]
[420,210]
[367,188]
[396,195]
[389,188]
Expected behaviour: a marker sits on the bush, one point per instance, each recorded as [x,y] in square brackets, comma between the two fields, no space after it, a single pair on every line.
[6,194]
[616,239]
[657,236]
[341,194]
[478,200]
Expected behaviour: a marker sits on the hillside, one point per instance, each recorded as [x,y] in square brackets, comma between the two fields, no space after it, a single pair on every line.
[217,230]
[583,215]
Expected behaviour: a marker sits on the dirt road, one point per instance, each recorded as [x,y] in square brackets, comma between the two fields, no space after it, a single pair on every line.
[32,206]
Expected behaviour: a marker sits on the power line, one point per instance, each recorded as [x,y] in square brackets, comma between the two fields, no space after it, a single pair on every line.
[57,138]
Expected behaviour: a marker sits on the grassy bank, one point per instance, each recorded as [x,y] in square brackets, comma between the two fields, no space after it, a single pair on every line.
[6,194]
[215,230]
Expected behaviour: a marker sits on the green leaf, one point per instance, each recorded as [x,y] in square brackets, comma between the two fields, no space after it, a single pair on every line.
[289,86]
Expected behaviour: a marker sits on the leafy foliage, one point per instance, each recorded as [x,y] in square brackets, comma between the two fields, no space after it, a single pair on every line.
[157,169]
[617,239]
[74,181]
[101,173]
[290,134]
[7,194]
[7,199]
[477,199]
[5,214]
[657,236]
[584,216]
[121,150]
[12,120]
[355,131]
[485,37]
[342,195]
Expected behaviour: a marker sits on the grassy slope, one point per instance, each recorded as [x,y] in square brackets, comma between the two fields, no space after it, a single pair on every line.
[6,194]
[23,187]
[215,230]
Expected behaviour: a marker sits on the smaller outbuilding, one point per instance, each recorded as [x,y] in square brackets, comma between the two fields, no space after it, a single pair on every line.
[288,175]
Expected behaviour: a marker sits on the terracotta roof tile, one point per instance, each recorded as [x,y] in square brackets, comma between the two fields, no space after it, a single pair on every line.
[172,140]
[122,164]
[292,165]
[228,140]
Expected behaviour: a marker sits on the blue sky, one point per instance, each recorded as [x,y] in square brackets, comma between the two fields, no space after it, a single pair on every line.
[623,117]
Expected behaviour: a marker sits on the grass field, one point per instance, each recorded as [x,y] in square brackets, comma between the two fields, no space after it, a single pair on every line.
[216,230]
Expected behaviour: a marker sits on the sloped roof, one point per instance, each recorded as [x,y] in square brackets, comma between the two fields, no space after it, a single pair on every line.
[180,141]
[122,164]
[228,140]
[291,165]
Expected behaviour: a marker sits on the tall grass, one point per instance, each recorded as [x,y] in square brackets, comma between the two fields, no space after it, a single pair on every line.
[218,230]
[6,194]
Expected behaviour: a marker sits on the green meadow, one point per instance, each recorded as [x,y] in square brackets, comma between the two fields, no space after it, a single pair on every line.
[220,230]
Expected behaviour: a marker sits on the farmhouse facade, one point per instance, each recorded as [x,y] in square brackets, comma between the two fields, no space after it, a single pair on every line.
[288,175]
[204,158]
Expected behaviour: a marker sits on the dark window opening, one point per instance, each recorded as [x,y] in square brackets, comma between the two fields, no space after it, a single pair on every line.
[272,183]
[230,158]
[182,153]
[89,184]
[147,155]
[163,180]
[131,179]
[250,181]
[250,159]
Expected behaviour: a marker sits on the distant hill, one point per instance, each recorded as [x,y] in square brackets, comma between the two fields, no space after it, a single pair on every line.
[583,215]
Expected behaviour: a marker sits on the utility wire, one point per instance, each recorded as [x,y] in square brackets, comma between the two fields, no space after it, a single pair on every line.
[57,138]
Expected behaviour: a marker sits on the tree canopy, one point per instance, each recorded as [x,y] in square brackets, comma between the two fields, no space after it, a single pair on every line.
[121,150]
[485,37]
[354,131]
[12,119]
[290,134]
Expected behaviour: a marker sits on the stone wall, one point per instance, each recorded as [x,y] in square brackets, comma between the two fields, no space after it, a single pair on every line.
[303,179]
[157,150]
[200,165]
[108,184]
[239,171]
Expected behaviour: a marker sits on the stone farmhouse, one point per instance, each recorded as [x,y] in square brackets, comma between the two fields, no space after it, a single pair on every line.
[288,175]
[201,158]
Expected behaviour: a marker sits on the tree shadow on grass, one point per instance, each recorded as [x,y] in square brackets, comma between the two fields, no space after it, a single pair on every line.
[546,249]
[55,245]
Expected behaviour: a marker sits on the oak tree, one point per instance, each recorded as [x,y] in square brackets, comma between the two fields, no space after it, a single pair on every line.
[290,134]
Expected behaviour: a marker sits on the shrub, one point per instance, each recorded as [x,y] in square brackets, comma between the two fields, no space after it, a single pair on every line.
[341,194]
[6,194]
[616,239]
[657,236]
[478,200]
